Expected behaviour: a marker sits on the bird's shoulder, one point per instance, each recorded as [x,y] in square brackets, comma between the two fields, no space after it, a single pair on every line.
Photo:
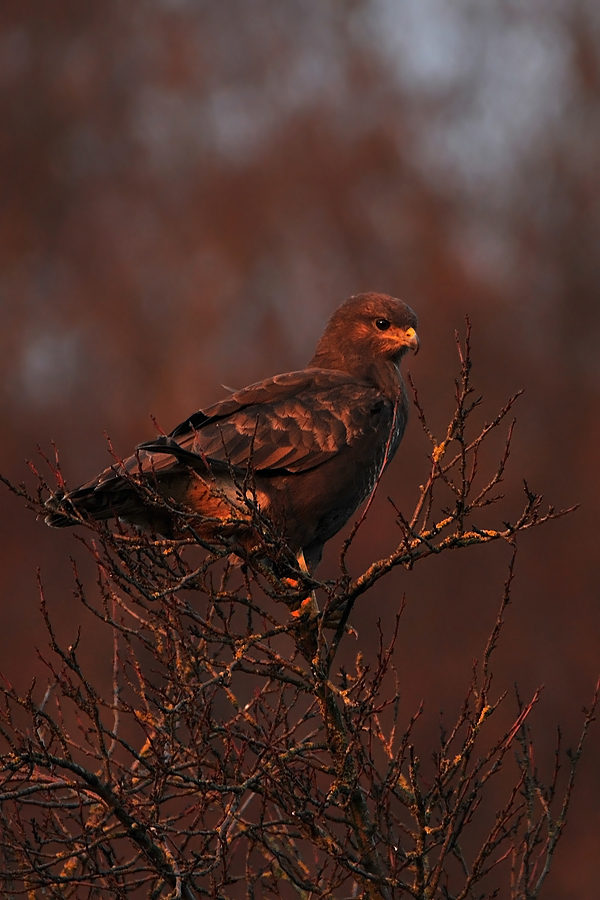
[326,389]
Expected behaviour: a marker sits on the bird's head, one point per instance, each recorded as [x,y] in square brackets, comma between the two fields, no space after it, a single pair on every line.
[366,331]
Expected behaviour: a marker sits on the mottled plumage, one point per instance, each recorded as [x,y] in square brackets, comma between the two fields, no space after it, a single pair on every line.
[313,442]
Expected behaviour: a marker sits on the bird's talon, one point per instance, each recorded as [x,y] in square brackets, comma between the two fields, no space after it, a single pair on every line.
[291,582]
[308,608]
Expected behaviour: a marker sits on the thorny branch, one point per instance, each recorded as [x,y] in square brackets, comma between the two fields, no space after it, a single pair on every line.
[229,759]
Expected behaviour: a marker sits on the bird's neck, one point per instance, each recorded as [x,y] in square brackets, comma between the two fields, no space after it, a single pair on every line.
[383,373]
[388,378]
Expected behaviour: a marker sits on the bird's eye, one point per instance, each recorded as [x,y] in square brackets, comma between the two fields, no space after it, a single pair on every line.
[382,324]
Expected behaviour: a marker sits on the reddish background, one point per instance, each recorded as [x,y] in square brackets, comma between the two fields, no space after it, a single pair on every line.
[189,189]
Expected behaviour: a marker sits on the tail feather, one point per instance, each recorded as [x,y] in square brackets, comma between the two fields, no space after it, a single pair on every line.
[58,520]
[98,503]
[58,517]
[113,492]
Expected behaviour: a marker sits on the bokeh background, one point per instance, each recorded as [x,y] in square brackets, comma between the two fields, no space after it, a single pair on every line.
[189,188]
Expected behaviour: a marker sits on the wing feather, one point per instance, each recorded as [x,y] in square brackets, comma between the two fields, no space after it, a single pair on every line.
[292,422]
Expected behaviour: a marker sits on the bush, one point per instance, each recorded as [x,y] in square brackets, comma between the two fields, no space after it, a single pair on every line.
[232,759]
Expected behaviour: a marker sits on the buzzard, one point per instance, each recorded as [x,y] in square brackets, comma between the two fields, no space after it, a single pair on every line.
[306,447]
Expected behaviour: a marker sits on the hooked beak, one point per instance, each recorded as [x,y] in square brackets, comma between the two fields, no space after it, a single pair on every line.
[412,340]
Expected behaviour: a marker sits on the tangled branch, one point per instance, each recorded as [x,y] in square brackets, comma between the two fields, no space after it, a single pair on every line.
[231,759]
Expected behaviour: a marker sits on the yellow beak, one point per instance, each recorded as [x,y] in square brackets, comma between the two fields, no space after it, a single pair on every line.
[412,340]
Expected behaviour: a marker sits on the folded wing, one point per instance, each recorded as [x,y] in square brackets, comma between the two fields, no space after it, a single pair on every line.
[288,424]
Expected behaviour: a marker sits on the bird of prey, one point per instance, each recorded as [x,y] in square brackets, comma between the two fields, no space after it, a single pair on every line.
[307,447]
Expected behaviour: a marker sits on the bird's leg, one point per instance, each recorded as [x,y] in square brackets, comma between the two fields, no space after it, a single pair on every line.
[309,607]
